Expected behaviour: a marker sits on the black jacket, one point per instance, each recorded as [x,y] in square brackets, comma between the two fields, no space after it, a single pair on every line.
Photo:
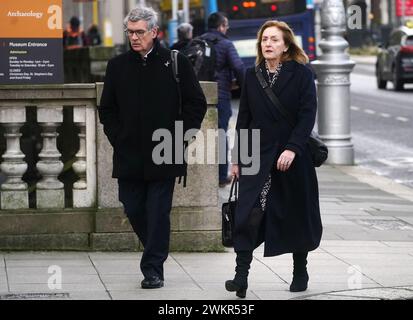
[140,97]
[228,63]
[292,218]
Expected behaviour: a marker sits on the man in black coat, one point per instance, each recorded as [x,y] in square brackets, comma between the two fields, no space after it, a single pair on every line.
[141,96]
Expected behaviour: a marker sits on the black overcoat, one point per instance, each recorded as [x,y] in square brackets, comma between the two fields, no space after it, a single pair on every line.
[141,96]
[292,220]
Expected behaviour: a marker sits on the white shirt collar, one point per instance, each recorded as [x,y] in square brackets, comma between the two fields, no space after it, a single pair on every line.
[146,55]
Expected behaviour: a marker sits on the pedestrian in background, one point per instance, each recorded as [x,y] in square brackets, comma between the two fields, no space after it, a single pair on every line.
[93,36]
[140,96]
[228,64]
[184,36]
[280,204]
[74,36]
[162,39]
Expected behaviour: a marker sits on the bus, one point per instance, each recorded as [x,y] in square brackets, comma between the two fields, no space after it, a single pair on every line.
[245,18]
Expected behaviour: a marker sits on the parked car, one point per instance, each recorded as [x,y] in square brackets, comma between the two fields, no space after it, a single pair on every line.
[395,59]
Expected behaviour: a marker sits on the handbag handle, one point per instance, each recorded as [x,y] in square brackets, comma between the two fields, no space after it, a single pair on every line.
[232,193]
[286,113]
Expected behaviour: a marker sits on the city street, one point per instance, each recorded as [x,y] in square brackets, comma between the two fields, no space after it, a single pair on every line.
[381,126]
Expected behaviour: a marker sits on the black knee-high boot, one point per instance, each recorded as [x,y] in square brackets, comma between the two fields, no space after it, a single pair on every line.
[240,282]
[300,275]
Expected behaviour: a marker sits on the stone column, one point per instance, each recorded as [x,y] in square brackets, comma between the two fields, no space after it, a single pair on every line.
[84,190]
[14,192]
[333,83]
[50,192]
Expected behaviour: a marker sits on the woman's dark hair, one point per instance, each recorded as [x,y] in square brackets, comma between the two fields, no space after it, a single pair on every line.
[74,22]
[215,20]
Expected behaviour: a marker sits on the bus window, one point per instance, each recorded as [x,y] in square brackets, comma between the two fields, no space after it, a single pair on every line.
[260,8]
[246,17]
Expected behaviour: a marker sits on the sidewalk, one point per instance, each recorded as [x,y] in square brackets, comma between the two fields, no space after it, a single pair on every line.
[367,243]
[359,59]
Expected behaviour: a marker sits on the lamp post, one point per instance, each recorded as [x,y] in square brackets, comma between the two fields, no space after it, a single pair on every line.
[333,70]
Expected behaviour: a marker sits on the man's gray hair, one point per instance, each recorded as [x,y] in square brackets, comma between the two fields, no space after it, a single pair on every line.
[142,13]
[184,31]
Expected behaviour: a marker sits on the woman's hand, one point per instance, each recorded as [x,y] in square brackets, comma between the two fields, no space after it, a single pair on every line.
[235,170]
[285,160]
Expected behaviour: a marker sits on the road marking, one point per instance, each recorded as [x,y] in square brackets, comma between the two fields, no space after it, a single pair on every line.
[354,108]
[397,162]
[385,115]
[369,111]
[402,119]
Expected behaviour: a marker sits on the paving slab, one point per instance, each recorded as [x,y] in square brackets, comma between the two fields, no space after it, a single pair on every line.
[377,235]
[48,262]
[90,295]
[367,250]
[169,285]
[398,244]
[162,294]
[351,244]
[3,282]
[44,277]
[65,270]
[118,278]
[66,287]
[114,256]
[48,255]
[382,293]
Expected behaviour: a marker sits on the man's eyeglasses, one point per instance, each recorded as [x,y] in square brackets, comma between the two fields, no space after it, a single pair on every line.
[138,33]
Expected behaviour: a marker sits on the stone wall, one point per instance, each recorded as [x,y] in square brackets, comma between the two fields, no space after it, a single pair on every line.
[195,217]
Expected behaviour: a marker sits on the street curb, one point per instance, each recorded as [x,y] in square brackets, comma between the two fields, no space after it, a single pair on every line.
[368,176]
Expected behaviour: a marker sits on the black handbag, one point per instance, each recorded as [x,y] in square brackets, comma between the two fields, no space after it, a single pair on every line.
[228,214]
[318,149]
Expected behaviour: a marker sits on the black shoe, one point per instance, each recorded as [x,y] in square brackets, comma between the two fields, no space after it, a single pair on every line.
[232,286]
[152,283]
[299,283]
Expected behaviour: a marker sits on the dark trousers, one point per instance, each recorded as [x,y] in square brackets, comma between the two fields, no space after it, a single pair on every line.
[224,114]
[147,205]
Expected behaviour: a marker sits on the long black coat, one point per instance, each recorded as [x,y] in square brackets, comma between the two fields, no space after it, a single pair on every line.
[292,220]
[140,97]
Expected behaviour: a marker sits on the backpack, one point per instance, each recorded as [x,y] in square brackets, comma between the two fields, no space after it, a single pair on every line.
[202,54]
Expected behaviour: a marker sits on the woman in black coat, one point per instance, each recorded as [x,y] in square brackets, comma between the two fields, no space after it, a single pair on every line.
[279,205]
